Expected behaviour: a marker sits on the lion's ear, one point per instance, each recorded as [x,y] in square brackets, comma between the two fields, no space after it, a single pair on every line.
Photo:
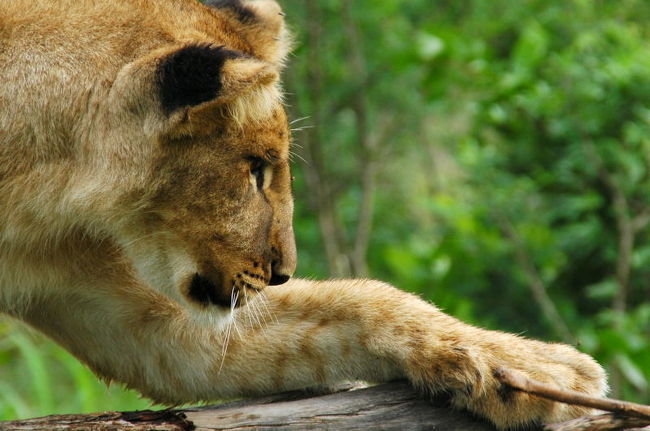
[260,23]
[196,74]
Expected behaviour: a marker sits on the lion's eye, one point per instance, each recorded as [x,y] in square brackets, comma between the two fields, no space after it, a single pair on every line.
[258,166]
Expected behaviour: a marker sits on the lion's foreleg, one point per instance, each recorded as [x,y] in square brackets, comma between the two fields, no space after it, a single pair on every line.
[310,333]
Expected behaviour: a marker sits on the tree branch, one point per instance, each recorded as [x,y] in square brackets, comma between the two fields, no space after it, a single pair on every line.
[641,220]
[367,145]
[535,283]
[316,175]
[625,414]
[625,225]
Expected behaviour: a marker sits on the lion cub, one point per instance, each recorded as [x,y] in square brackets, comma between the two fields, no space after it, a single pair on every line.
[146,205]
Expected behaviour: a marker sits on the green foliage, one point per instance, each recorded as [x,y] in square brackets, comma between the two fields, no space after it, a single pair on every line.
[513,148]
[38,378]
[574,129]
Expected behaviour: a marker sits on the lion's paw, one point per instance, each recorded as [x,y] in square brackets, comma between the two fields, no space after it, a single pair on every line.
[466,371]
[555,364]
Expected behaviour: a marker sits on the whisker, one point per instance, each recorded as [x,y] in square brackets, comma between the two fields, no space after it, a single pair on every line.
[293,154]
[267,311]
[224,349]
[292,122]
[263,321]
[268,308]
[233,291]
[259,318]
[256,313]
[232,307]
[300,129]
[248,309]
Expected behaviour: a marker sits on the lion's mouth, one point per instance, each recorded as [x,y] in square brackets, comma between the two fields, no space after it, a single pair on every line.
[205,291]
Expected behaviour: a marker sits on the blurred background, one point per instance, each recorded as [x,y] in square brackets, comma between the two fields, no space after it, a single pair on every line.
[492,157]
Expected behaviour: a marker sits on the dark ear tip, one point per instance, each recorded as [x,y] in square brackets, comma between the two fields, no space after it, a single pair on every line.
[191,75]
[243,14]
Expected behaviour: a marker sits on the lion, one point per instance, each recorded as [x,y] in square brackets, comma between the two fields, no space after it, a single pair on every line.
[145,199]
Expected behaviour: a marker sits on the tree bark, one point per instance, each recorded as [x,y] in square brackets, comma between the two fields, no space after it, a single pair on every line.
[606,422]
[392,406]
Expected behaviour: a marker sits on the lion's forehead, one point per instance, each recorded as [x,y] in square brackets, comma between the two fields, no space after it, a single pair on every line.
[268,139]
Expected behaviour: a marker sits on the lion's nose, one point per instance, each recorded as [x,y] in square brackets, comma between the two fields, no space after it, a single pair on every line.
[280,272]
[277,278]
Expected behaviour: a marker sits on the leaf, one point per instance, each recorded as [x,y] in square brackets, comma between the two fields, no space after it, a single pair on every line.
[429,46]
[12,405]
[40,377]
[440,266]
[531,48]
[603,290]
[631,372]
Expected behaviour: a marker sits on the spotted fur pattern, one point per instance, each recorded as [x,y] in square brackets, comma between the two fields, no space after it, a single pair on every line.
[146,220]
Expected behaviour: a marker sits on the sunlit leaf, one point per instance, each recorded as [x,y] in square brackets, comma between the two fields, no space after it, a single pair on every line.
[631,372]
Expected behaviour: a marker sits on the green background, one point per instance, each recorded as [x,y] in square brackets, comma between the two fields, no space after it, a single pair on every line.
[490,156]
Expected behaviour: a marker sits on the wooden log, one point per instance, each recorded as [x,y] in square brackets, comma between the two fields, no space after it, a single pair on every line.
[392,406]
[604,422]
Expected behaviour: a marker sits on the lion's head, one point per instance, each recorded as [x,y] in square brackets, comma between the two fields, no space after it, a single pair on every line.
[187,162]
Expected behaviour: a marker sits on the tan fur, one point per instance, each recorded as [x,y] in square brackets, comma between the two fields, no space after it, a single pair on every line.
[109,207]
